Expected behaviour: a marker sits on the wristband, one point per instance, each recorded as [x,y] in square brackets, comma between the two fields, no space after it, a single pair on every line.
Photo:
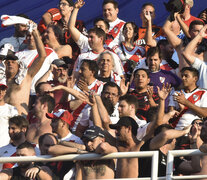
[39,168]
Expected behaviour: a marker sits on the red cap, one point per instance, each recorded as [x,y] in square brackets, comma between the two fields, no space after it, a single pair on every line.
[61,114]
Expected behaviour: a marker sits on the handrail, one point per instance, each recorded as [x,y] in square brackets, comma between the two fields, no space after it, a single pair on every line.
[177,153]
[90,156]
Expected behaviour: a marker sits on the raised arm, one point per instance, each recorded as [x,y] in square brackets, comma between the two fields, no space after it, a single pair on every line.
[36,65]
[149,37]
[172,38]
[162,138]
[75,33]
[190,48]
[183,26]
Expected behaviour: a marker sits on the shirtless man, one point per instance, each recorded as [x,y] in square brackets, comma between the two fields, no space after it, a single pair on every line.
[19,80]
[94,140]
[180,44]
[126,131]
[44,104]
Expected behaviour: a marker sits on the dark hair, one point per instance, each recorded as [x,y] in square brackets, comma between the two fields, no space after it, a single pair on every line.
[19,121]
[148,4]
[92,65]
[26,145]
[195,22]
[152,51]
[160,128]
[23,15]
[142,69]
[49,100]
[101,19]
[58,33]
[165,42]
[111,84]
[135,28]
[130,99]
[204,11]
[37,87]
[99,32]
[115,3]
[194,71]
[41,138]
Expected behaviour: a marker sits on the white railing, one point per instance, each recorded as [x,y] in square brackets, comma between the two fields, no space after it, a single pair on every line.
[177,153]
[119,155]
[92,156]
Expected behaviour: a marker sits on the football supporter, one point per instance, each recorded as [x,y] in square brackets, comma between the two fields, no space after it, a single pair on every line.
[18,126]
[191,100]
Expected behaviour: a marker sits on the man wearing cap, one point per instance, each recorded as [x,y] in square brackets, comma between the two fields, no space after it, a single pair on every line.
[7,111]
[44,104]
[61,121]
[126,131]
[19,79]
[59,70]
[94,140]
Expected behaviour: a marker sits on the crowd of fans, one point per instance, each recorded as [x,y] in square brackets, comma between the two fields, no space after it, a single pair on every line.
[113,88]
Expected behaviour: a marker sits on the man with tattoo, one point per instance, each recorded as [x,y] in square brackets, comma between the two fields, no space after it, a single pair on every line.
[94,140]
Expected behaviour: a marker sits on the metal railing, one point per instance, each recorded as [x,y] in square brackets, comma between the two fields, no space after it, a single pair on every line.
[91,156]
[177,153]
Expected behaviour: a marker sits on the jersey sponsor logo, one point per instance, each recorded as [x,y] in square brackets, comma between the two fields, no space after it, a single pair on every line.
[195,97]
[162,79]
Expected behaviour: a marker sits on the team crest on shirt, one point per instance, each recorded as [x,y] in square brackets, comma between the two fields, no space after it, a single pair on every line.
[162,79]
[195,97]
[145,98]
[115,29]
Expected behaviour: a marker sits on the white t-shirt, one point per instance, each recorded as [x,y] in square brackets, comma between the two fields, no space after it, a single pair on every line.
[6,111]
[199,98]
[28,56]
[201,66]
[72,138]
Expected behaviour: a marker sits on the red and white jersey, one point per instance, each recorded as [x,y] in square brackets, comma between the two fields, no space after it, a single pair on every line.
[197,97]
[91,55]
[9,151]
[29,56]
[115,30]
[83,111]
[135,54]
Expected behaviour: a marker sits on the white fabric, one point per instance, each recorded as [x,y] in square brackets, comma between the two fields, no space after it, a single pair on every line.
[84,115]
[27,56]
[118,68]
[115,115]
[7,111]
[73,138]
[135,54]
[189,115]
[83,44]
[119,38]
[141,131]
[12,20]
[201,66]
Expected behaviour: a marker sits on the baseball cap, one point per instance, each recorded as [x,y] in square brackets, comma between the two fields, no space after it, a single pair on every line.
[3,83]
[59,63]
[93,132]
[61,114]
[189,2]
[126,121]
[7,52]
